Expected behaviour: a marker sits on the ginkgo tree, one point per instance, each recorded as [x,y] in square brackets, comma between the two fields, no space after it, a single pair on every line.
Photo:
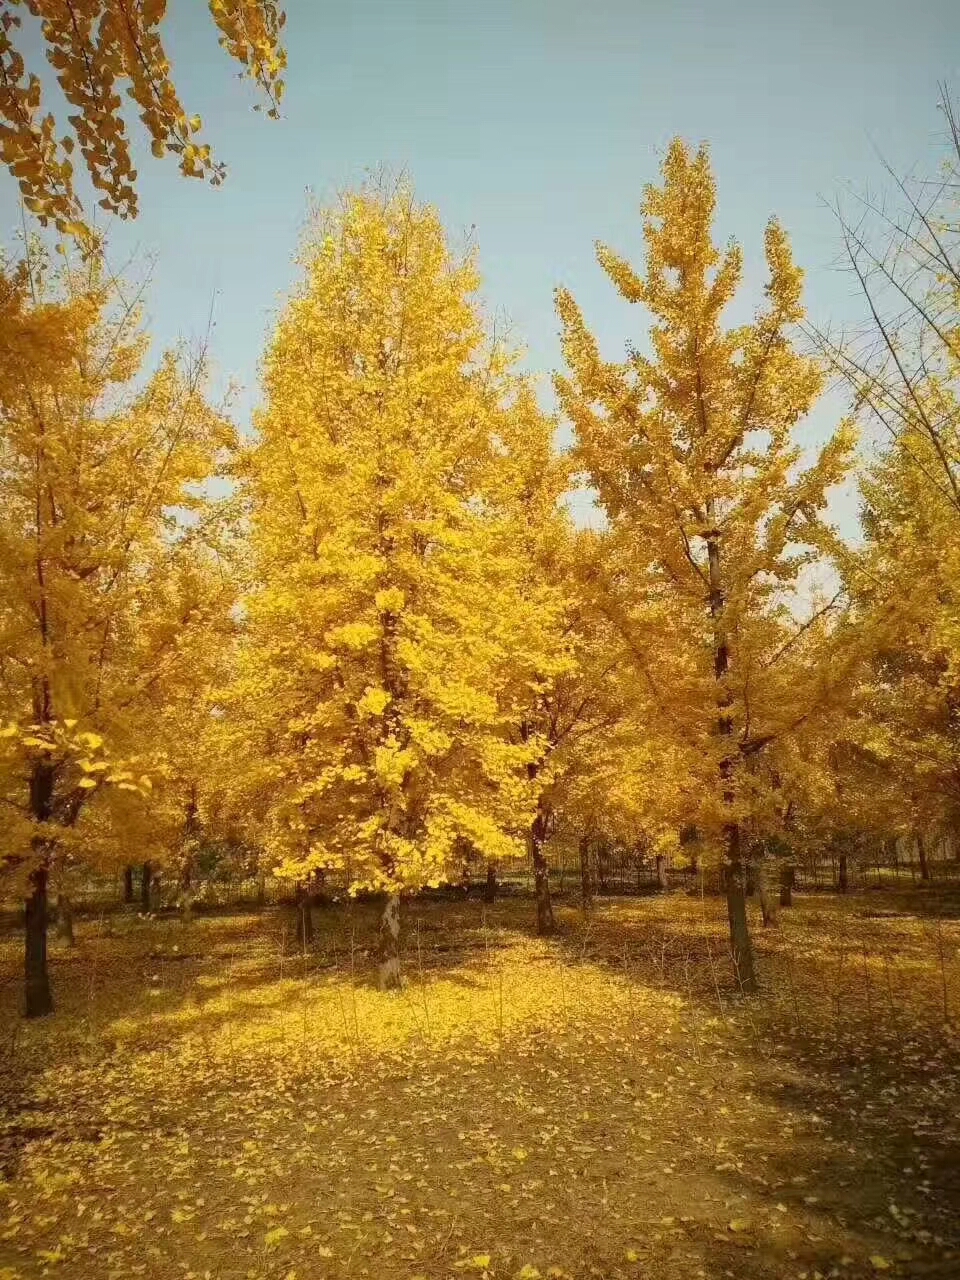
[693,451]
[903,583]
[105,515]
[392,620]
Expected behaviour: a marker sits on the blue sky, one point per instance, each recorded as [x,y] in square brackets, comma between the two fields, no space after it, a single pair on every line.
[536,122]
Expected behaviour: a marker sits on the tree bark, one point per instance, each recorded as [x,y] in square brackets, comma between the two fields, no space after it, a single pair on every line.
[128,884]
[146,879]
[186,902]
[751,878]
[389,975]
[65,920]
[741,947]
[490,885]
[786,886]
[536,840]
[38,999]
[586,874]
[191,827]
[769,904]
[303,923]
[922,855]
[661,865]
[843,878]
[740,944]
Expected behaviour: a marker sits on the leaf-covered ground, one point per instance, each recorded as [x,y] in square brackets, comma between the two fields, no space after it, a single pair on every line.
[600,1105]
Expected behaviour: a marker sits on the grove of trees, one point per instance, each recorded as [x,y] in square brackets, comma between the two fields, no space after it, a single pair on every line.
[369,642]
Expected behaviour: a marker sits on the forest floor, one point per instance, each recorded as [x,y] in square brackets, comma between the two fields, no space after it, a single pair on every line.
[602,1104]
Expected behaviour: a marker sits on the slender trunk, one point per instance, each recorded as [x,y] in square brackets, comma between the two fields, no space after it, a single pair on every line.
[586,874]
[786,886]
[303,925]
[741,946]
[186,887]
[843,879]
[536,839]
[769,903]
[750,878]
[922,856]
[191,827]
[389,970]
[694,864]
[186,902]
[661,865]
[128,884]
[65,919]
[318,891]
[490,886]
[146,879]
[261,891]
[38,998]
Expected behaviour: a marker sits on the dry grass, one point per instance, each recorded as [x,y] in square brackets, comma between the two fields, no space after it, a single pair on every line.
[206,1103]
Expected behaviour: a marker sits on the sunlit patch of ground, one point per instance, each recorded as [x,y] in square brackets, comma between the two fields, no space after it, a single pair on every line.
[206,1103]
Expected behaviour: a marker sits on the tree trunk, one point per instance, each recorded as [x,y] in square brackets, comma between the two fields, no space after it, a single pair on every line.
[318,891]
[843,879]
[694,864]
[541,880]
[65,920]
[128,884]
[38,998]
[769,904]
[261,891]
[661,865]
[586,874]
[603,868]
[191,829]
[922,855]
[490,885]
[751,878]
[186,886]
[303,924]
[146,879]
[389,970]
[741,947]
[186,903]
[786,886]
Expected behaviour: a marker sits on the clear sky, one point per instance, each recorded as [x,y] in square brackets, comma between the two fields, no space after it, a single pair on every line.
[536,122]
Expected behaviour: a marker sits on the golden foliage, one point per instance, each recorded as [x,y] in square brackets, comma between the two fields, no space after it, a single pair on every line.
[712,522]
[397,629]
[98,49]
[112,582]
